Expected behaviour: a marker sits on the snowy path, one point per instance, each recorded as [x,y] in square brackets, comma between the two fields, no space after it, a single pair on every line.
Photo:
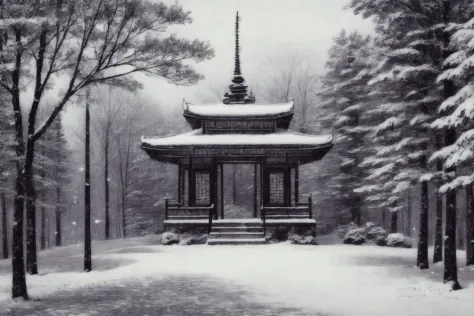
[241,280]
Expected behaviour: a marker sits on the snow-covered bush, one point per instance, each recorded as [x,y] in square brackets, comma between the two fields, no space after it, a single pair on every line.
[302,240]
[374,231]
[192,239]
[399,240]
[355,236]
[172,237]
[169,238]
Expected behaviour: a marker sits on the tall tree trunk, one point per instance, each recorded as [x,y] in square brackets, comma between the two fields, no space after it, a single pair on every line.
[30,202]
[450,260]
[18,266]
[106,184]
[4,227]
[469,226]
[43,215]
[58,217]
[354,206]
[409,213]
[58,235]
[438,246]
[422,258]
[43,226]
[394,222]
[87,195]
[124,218]
[450,264]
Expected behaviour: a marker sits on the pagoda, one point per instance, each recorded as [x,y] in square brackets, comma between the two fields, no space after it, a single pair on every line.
[238,131]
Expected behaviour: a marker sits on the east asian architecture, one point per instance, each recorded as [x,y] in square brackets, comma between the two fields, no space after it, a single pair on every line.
[239,130]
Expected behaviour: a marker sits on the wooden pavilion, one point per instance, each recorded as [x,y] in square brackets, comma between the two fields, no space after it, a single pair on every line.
[236,131]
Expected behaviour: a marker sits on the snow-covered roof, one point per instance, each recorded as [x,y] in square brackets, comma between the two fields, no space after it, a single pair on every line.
[254,109]
[196,137]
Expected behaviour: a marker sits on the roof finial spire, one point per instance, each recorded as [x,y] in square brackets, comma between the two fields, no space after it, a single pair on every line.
[237,47]
[237,93]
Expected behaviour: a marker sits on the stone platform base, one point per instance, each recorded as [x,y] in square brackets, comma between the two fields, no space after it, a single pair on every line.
[298,231]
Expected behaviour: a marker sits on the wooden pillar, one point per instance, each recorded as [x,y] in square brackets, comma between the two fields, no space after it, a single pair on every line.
[297,182]
[287,183]
[255,203]
[222,190]
[191,188]
[263,169]
[213,184]
[180,176]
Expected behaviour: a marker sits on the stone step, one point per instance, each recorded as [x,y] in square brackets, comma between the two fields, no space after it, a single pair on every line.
[237,223]
[236,241]
[236,235]
[184,217]
[286,216]
[257,229]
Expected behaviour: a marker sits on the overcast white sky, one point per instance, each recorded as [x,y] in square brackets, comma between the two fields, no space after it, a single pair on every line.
[266,26]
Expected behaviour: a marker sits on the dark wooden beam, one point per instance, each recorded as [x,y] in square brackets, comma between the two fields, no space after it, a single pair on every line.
[255,203]
[180,176]
[213,185]
[191,188]
[263,188]
[222,190]
[297,182]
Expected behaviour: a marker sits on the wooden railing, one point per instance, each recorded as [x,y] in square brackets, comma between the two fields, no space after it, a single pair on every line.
[299,210]
[190,212]
[212,212]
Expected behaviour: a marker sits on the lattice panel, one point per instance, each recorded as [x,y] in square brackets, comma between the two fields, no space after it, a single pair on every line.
[277,188]
[203,188]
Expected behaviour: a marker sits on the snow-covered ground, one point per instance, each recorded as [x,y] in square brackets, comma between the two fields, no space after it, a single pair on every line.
[138,278]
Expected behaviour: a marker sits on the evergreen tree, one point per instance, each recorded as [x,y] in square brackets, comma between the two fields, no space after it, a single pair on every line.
[345,97]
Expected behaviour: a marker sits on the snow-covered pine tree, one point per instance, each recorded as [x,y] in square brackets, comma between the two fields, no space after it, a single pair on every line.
[344,96]
[414,62]
[460,112]
[52,168]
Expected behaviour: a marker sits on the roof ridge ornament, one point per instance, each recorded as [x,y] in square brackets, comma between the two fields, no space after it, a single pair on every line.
[237,93]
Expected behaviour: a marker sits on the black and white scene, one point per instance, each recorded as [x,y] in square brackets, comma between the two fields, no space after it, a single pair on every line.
[236,157]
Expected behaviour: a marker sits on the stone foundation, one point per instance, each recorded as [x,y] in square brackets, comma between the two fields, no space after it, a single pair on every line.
[303,233]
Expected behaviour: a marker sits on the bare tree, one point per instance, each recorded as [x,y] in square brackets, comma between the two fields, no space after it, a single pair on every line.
[105,43]
[108,107]
[292,75]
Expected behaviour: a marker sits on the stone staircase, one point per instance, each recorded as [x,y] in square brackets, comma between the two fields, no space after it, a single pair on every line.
[236,232]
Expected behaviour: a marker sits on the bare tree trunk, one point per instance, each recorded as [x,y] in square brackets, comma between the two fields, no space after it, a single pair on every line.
[43,226]
[18,266]
[58,235]
[4,227]
[422,258]
[87,195]
[469,226]
[106,185]
[30,194]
